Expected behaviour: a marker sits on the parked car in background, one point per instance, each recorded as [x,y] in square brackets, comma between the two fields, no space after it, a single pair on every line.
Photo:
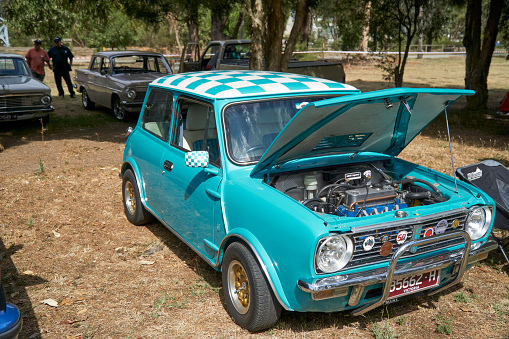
[22,97]
[235,54]
[291,186]
[119,80]
[10,317]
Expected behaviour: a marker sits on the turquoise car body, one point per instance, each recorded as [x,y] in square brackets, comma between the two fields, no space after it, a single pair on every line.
[211,207]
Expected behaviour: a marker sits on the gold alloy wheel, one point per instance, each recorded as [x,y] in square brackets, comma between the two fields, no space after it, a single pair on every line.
[238,286]
[130,197]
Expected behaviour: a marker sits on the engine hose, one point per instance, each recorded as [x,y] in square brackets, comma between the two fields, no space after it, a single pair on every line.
[345,186]
[418,195]
[414,180]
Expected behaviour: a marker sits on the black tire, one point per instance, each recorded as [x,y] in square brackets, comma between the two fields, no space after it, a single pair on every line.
[118,110]
[257,309]
[134,210]
[85,100]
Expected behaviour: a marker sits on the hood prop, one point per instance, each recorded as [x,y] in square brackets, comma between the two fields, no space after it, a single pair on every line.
[450,145]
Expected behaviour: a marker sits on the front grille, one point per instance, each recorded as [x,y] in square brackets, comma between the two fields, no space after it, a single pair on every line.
[361,257]
[17,101]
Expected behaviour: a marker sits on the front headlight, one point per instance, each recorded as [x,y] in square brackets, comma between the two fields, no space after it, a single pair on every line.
[478,222]
[131,93]
[333,253]
[46,99]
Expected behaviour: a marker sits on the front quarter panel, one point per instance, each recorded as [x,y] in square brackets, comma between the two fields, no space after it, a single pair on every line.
[282,232]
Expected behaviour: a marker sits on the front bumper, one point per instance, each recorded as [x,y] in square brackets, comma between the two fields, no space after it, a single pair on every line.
[132,106]
[24,114]
[458,259]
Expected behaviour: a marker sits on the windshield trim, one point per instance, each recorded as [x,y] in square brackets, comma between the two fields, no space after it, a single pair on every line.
[240,102]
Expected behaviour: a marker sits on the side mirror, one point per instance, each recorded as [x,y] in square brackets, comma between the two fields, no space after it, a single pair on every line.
[103,71]
[197,159]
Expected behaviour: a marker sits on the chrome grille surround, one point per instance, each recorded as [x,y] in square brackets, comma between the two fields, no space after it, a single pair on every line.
[415,228]
[20,101]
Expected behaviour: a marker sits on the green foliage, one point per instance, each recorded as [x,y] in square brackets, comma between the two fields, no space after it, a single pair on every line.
[383,331]
[444,325]
[462,298]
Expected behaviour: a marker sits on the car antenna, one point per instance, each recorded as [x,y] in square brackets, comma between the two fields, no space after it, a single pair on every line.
[450,145]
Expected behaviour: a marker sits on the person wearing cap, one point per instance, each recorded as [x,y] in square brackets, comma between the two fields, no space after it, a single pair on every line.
[36,57]
[61,57]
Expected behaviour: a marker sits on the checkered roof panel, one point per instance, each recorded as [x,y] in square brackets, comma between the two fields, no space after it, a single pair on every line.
[235,84]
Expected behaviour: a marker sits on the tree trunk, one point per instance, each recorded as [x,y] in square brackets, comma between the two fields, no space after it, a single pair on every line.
[421,32]
[240,22]
[172,25]
[306,27]
[365,27]
[254,9]
[300,16]
[217,23]
[274,34]
[192,27]
[478,58]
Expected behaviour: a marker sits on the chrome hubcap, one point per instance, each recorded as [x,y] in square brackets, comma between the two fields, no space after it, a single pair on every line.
[84,97]
[118,110]
[238,287]
[130,199]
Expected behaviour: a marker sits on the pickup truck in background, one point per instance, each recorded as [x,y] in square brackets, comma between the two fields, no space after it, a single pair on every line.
[234,55]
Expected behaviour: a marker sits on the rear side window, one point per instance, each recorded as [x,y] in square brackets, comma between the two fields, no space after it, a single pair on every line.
[157,113]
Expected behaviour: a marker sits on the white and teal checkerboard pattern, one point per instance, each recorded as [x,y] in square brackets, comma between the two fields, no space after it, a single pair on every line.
[238,84]
[197,159]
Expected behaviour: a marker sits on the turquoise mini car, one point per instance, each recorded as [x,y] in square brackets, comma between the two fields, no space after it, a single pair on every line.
[291,187]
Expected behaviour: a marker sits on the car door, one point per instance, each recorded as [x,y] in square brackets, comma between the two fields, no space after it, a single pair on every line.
[192,204]
[92,74]
[103,83]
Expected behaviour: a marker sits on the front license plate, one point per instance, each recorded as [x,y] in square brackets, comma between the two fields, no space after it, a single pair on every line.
[414,284]
[8,116]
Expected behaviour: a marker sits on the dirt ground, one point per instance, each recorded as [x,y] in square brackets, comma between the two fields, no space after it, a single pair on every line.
[64,240]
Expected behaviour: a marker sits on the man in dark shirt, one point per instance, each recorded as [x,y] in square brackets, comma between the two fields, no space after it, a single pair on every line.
[61,56]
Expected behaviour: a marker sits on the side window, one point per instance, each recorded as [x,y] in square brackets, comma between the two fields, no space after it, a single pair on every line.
[157,113]
[96,63]
[105,66]
[195,129]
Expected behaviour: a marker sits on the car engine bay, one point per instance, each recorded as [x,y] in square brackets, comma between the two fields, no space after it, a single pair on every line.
[355,190]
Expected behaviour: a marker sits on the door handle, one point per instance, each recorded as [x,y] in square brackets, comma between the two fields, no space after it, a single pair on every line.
[168,165]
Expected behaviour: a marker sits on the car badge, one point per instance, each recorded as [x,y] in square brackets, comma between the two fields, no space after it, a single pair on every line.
[417,235]
[455,223]
[368,243]
[385,238]
[441,226]
[386,249]
[401,237]
[429,232]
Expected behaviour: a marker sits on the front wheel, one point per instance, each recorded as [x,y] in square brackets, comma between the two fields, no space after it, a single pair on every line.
[247,293]
[119,110]
[134,211]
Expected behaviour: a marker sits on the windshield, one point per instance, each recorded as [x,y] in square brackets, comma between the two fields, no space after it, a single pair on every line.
[140,64]
[250,127]
[13,66]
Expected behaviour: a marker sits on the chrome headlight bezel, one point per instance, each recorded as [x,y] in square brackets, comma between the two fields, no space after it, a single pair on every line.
[327,260]
[131,93]
[478,221]
[46,99]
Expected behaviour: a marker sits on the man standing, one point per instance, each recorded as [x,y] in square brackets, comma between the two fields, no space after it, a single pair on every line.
[36,57]
[61,56]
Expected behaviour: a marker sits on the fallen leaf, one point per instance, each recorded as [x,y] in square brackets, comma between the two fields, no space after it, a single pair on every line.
[467,308]
[50,302]
[145,262]
[28,272]
[68,322]
[82,311]
[56,234]
[66,301]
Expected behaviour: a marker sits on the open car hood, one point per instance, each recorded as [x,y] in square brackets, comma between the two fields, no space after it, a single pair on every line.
[382,121]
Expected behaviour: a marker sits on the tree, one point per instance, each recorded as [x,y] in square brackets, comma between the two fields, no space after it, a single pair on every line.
[479,55]
[398,20]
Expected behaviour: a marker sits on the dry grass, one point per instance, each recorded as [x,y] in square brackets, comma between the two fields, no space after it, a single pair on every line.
[63,236]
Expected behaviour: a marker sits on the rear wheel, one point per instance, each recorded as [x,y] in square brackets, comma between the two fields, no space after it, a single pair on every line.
[85,100]
[247,294]
[134,211]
